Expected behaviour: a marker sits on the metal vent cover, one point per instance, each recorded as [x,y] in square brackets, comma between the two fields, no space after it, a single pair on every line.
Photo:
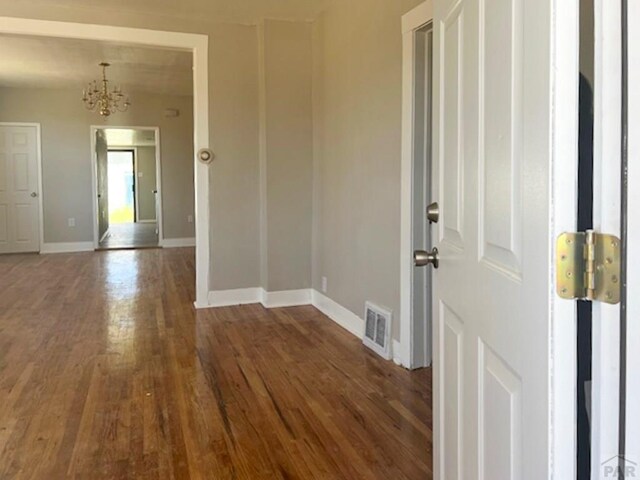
[377,331]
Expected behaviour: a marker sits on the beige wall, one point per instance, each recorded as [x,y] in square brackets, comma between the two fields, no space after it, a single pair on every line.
[233,109]
[66,156]
[146,183]
[287,154]
[102,183]
[357,123]
[234,175]
[260,99]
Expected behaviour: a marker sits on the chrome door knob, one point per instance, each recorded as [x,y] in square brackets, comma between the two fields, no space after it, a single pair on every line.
[423,258]
[34,194]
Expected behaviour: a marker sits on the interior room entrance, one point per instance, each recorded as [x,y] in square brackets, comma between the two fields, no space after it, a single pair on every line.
[127,172]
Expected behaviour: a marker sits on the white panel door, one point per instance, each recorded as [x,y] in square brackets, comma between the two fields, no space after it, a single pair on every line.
[493,291]
[19,212]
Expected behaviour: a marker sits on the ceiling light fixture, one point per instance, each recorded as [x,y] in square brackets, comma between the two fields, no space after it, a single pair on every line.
[98,97]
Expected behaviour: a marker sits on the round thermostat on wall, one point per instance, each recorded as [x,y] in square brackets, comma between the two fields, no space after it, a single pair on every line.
[206,155]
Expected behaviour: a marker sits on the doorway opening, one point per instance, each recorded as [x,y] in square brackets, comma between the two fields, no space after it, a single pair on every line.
[415,349]
[121,186]
[127,180]
[196,46]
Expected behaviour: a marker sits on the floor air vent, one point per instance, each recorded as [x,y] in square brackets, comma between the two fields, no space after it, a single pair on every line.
[377,334]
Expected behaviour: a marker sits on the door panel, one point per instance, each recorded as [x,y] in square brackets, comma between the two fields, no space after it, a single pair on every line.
[492,291]
[500,158]
[452,172]
[19,189]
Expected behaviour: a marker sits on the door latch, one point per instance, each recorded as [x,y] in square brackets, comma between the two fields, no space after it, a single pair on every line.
[588,266]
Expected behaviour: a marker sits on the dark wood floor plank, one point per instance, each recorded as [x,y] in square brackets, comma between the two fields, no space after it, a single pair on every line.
[108,372]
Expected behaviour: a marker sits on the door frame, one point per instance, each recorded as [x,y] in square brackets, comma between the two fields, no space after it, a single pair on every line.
[39,170]
[412,21]
[631,449]
[562,214]
[94,177]
[198,45]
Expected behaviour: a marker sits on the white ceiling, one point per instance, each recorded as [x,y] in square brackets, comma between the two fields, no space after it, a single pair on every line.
[43,62]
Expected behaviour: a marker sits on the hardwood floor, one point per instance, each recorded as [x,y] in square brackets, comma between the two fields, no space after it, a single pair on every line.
[108,372]
[130,235]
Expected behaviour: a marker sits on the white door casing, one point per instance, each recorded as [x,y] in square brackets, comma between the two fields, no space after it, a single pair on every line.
[606,219]
[415,322]
[632,443]
[19,189]
[504,172]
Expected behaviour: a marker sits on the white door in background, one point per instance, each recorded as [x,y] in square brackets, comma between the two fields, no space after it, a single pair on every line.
[505,123]
[19,190]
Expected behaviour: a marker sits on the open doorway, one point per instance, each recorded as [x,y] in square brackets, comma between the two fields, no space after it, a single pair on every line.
[143,64]
[127,168]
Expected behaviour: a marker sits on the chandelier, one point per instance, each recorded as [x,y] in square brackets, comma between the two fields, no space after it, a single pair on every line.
[98,97]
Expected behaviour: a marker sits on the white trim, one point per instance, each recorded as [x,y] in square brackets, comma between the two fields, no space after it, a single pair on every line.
[339,314]
[243,296]
[179,242]
[66,247]
[418,17]
[239,296]
[411,21]
[39,168]
[287,298]
[607,134]
[395,351]
[198,44]
[632,447]
[561,369]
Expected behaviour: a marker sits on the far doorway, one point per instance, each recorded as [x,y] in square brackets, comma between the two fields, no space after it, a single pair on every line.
[127,179]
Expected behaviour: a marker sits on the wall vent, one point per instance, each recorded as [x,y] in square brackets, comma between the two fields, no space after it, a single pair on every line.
[377,332]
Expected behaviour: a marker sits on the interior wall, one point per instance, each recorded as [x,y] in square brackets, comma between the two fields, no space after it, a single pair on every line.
[66,156]
[287,154]
[358,144]
[234,174]
[146,183]
[233,110]
[102,183]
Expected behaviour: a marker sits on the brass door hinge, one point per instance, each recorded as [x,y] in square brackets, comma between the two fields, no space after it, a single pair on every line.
[588,266]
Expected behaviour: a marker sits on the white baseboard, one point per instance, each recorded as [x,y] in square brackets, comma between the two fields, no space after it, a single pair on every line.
[287,298]
[244,296]
[66,247]
[178,242]
[396,351]
[339,314]
[239,296]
